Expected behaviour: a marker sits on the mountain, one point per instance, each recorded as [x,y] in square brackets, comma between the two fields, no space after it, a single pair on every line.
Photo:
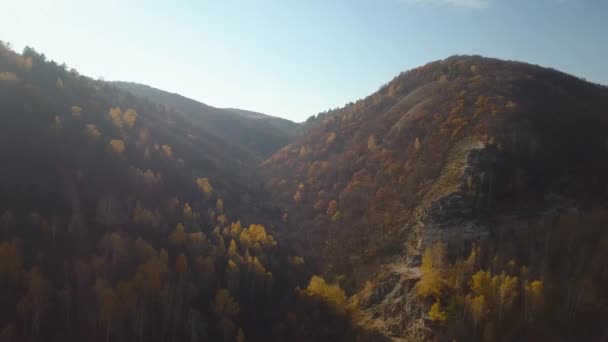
[449,199]
[259,134]
[464,200]
[125,219]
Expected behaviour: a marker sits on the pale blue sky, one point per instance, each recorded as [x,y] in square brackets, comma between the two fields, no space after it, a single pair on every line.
[294,58]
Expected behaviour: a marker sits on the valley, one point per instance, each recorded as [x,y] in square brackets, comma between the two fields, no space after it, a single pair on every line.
[464,200]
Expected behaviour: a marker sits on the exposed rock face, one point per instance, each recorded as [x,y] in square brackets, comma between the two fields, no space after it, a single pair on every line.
[463,205]
[455,210]
[390,305]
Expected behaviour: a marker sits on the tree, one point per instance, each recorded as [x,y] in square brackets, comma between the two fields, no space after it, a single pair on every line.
[233,250]
[436,314]
[478,309]
[56,125]
[109,306]
[117,146]
[178,236]
[297,197]
[534,297]
[240,336]
[431,282]
[129,117]
[417,144]
[332,294]
[36,301]
[8,76]
[167,150]
[224,305]
[205,186]
[232,275]
[76,111]
[481,284]
[116,117]
[181,265]
[91,132]
[507,292]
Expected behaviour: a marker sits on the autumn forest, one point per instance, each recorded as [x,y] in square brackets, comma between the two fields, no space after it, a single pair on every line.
[465,200]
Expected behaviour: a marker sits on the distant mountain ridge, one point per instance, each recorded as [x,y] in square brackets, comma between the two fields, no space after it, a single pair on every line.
[257,133]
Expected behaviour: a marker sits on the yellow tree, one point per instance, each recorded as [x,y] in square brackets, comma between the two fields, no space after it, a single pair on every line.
[178,236]
[332,294]
[224,305]
[36,301]
[129,117]
[181,265]
[117,146]
[534,298]
[116,117]
[436,314]
[91,132]
[76,111]
[431,282]
[232,275]
[478,309]
[167,150]
[205,186]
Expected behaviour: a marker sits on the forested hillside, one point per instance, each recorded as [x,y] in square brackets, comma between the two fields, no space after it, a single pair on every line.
[120,220]
[259,134]
[465,200]
[460,151]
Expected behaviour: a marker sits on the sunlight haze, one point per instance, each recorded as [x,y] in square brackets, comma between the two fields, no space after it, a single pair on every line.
[296,58]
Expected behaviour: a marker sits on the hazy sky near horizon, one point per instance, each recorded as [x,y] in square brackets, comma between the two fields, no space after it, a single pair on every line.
[295,58]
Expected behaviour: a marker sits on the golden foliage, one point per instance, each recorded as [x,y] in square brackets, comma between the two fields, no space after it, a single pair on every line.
[8,76]
[122,118]
[432,281]
[233,251]
[129,117]
[22,62]
[92,132]
[534,295]
[76,111]
[178,236]
[331,136]
[296,260]
[145,216]
[167,150]
[297,197]
[116,116]
[332,294]
[478,309]
[436,314]
[117,146]
[224,305]
[204,186]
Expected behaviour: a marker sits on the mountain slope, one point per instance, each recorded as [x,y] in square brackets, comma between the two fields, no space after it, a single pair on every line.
[257,133]
[121,220]
[442,153]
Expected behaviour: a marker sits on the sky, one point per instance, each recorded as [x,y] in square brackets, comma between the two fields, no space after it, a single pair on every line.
[296,58]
